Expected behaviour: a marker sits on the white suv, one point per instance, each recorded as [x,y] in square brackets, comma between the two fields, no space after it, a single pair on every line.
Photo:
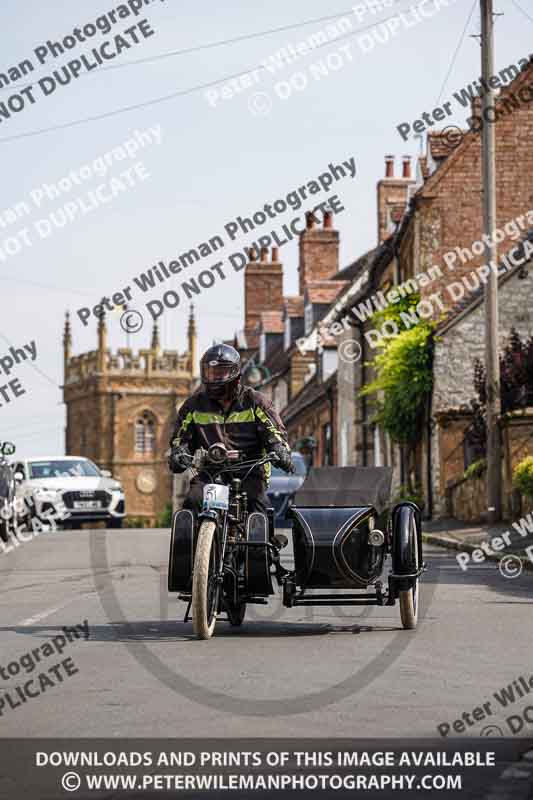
[70,487]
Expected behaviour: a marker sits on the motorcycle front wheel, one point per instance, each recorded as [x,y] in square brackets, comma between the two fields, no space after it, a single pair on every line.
[205,587]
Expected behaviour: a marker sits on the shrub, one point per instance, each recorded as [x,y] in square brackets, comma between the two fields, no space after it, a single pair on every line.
[476,469]
[136,522]
[164,520]
[415,496]
[523,477]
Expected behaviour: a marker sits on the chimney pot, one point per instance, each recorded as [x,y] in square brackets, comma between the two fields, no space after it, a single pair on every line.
[406,167]
[328,219]
[389,166]
[309,220]
[252,255]
[264,254]
[275,254]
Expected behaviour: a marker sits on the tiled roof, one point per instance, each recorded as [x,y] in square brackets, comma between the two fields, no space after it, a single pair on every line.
[323,292]
[294,306]
[271,322]
[278,361]
[350,272]
[313,391]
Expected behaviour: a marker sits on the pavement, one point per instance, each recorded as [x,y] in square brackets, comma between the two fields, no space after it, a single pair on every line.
[327,671]
[510,542]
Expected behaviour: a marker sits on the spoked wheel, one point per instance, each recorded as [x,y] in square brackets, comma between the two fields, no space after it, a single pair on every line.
[409,597]
[205,588]
[236,613]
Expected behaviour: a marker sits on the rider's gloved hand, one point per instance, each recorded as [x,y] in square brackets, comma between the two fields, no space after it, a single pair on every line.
[179,460]
[284,458]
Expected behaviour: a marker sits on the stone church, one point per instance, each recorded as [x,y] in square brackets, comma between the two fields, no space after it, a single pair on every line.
[120,410]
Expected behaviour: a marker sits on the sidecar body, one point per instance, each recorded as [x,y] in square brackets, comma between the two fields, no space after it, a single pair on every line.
[343,529]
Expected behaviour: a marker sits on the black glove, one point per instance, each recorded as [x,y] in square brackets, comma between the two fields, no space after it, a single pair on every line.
[179,460]
[284,458]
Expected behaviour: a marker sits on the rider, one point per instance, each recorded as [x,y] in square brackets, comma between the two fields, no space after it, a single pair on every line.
[224,411]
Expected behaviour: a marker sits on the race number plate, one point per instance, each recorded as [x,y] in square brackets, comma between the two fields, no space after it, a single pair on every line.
[216,496]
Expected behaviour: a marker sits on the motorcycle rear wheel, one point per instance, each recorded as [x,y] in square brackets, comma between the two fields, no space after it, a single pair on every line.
[236,614]
[205,592]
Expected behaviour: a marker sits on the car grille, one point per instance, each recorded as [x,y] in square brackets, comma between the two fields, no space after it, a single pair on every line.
[69,498]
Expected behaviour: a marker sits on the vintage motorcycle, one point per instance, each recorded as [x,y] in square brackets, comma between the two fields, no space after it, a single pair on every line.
[7,491]
[342,531]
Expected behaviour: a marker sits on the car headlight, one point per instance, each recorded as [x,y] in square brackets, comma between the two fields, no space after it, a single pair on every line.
[47,494]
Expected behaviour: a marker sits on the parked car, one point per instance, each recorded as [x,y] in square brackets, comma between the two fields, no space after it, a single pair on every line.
[73,485]
[282,487]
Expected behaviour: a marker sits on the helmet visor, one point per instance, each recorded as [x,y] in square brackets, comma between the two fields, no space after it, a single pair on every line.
[218,373]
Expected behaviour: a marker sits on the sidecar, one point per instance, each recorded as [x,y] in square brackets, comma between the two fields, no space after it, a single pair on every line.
[343,530]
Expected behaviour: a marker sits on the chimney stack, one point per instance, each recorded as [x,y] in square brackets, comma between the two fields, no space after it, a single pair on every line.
[406,167]
[309,220]
[389,166]
[319,252]
[263,289]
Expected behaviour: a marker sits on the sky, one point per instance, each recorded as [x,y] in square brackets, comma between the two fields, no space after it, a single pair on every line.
[218,156]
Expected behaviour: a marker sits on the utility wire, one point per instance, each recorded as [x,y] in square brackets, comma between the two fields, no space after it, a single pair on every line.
[219,43]
[522,10]
[181,92]
[454,58]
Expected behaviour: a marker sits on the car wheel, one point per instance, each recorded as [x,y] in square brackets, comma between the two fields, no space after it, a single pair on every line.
[115,523]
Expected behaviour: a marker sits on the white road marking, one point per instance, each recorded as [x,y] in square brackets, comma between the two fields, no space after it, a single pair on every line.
[43,615]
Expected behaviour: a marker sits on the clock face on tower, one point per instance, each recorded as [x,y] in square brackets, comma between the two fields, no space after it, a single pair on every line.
[146,481]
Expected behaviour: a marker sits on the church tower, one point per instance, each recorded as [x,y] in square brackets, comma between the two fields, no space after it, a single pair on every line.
[121,407]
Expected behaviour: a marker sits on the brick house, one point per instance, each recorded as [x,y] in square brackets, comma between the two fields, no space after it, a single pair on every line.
[439,235]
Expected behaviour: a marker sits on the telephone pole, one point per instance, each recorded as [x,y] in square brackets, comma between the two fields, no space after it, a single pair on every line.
[492,361]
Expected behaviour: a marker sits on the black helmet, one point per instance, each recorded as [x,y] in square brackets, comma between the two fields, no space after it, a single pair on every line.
[220,369]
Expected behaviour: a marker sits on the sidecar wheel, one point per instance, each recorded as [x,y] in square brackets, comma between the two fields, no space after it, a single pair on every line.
[205,591]
[4,530]
[236,614]
[409,606]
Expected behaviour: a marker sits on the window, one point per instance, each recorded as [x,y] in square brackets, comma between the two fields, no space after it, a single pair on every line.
[59,468]
[287,333]
[308,318]
[145,434]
